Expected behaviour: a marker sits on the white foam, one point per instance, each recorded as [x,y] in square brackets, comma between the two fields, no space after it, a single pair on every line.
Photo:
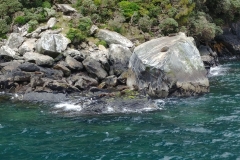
[218,70]
[1,126]
[68,106]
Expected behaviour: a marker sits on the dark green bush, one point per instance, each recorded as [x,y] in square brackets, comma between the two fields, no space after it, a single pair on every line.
[85,24]
[169,25]
[128,8]
[20,20]
[46,4]
[75,35]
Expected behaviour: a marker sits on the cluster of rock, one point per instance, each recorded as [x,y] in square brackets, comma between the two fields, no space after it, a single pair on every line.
[42,61]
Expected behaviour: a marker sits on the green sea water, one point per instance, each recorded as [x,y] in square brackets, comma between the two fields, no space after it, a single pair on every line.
[202,127]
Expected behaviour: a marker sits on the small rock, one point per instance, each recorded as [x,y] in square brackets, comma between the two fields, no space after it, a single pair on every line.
[73,63]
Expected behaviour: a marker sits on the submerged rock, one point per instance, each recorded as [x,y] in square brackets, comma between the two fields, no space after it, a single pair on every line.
[168,66]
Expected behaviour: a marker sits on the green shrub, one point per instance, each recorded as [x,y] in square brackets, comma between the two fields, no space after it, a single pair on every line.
[46,4]
[168,25]
[75,35]
[102,42]
[128,8]
[115,26]
[32,25]
[20,20]
[145,23]
[85,24]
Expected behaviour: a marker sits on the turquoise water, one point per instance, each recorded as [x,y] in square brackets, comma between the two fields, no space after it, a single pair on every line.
[203,127]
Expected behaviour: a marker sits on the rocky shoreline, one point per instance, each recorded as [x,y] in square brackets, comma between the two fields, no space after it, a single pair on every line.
[46,65]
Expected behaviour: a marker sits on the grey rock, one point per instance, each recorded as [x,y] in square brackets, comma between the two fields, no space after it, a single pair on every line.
[51,22]
[80,56]
[15,40]
[93,29]
[51,73]
[119,57]
[94,68]
[52,44]
[39,59]
[64,69]
[73,63]
[102,57]
[110,81]
[209,58]
[27,46]
[60,86]
[178,71]
[29,67]
[65,8]
[113,38]
[84,82]
[8,52]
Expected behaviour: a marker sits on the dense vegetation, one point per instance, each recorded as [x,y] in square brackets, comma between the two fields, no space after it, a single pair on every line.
[139,19]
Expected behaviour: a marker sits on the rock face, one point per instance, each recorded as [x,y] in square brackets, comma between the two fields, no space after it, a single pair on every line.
[113,38]
[229,42]
[168,66]
[15,40]
[119,57]
[39,59]
[209,57]
[52,44]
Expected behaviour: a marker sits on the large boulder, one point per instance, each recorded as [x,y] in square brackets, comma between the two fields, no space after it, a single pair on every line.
[94,68]
[15,40]
[119,57]
[209,57]
[27,46]
[52,44]
[113,38]
[39,59]
[6,51]
[73,64]
[168,66]
[65,8]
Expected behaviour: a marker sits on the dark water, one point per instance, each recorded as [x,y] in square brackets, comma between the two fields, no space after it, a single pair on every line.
[204,127]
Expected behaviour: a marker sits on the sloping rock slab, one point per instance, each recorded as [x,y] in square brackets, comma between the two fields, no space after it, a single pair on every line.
[168,66]
[113,38]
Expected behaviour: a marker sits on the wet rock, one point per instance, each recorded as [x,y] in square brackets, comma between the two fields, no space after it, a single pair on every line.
[39,59]
[179,71]
[51,73]
[64,69]
[84,82]
[209,58]
[44,96]
[119,57]
[15,40]
[19,76]
[110,81]
[94,68]
[52,44]
[73,64]
[29,67]
[113,38]
[60,86]
[9,66]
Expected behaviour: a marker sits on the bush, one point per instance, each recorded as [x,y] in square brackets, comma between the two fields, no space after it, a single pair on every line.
[145,23]
[101,42]
[4,27]
[20,20]
[46,4]
[32,25]
[85,24]
[169,25]
[75,35]
[128,8]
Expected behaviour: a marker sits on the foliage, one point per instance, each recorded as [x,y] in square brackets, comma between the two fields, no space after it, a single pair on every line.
[101,42]
[128,8]
[4,27]
[85,24]
[32,25]
[20,20]
[168,25]
[46,4]
[75,35]
[145,23]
